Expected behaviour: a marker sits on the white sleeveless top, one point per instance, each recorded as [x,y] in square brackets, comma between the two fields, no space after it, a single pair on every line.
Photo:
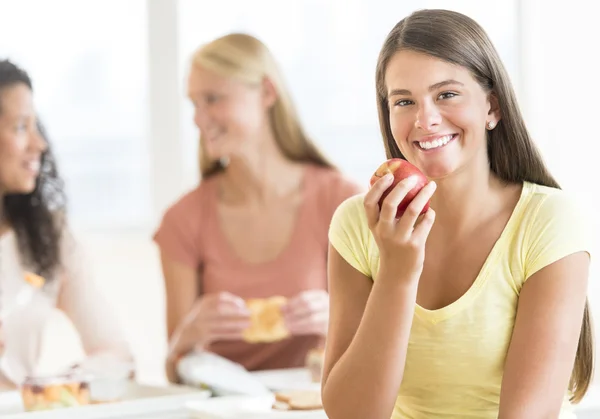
[71,297]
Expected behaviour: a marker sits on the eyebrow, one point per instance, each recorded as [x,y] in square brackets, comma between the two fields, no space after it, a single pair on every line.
[405,92]
[193,93]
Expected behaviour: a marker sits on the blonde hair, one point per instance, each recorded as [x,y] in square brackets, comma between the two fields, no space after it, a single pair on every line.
[246,59]
[512,154]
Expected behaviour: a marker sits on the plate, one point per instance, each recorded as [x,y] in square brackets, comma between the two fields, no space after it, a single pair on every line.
[286,379]
[247,407]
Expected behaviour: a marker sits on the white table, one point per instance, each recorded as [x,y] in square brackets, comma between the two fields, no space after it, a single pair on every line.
[138,402]
[165,407]
[174,402]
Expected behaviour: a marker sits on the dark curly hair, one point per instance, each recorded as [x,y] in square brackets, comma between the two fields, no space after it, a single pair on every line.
[38,217]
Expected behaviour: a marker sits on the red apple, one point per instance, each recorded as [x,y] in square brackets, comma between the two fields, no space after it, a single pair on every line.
[401,169]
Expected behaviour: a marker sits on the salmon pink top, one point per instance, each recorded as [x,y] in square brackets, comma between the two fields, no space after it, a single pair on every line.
[190,234]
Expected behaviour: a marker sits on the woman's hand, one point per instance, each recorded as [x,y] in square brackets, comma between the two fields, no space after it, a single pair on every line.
[307,313]
[214,317]
[401,242]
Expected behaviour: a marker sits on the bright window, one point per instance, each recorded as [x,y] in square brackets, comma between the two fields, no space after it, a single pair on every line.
[88,62]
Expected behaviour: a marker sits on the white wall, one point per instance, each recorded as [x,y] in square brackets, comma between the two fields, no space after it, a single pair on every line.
[560,74]
[88,62]
[328,54]
[127,268]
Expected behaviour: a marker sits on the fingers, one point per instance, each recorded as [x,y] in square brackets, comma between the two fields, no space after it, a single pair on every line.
[305,309]
[421,231]
[218,335]
[315,323]
[230,303]
[306,302]
[307,313]
[222,304]
[390,204]
[413,211]
[372,197]
[225,323]
[227,329]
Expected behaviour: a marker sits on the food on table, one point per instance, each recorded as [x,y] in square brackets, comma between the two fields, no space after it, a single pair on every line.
[298,400]
[266,320]
[44,393]
[401,169]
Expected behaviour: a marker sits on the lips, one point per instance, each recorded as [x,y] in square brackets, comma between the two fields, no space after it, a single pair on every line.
[435,142]
[212,138]
[33,166]
[212,135]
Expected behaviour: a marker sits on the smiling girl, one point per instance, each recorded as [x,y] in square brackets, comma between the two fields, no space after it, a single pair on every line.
[477,309]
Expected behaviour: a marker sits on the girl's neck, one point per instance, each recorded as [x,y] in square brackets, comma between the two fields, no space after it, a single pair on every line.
[465,198]
[259,175]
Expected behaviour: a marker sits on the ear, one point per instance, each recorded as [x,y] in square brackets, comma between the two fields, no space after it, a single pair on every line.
[269,92]
[494,114]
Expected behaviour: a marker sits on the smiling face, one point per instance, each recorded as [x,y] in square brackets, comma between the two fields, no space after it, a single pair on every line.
[21,145]
[437,113]
[230,115]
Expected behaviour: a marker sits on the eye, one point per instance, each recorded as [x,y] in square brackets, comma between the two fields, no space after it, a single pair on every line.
[447,95]
[403,102]
[211,98]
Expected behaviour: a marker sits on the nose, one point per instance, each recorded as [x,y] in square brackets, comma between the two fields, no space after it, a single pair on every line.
[428,116]
[202,118]
[37,141]
[197,117]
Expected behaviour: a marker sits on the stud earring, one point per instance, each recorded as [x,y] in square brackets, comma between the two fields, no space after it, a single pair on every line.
[491,125]
[224,161]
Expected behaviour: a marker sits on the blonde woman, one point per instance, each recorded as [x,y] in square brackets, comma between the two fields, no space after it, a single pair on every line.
[256,225]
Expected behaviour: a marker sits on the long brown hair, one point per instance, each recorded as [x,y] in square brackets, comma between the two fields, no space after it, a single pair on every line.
[245,58]
[512,154]
[38,218]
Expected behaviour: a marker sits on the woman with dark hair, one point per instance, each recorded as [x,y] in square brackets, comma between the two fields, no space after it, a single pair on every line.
[33,230]
[476,310]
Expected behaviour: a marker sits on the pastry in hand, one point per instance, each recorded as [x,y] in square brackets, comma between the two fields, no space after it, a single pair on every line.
[266,320]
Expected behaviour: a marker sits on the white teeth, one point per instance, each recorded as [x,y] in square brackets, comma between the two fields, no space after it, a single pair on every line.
[428,145]
[34,166]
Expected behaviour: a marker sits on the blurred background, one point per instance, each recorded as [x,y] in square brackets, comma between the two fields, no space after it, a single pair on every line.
[109,84]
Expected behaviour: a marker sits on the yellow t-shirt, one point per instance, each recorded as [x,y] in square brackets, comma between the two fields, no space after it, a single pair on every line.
[456,354]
